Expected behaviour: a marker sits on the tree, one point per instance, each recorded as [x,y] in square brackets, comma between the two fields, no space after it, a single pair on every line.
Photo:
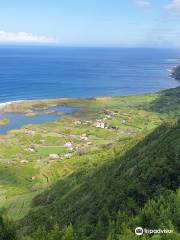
[7,229]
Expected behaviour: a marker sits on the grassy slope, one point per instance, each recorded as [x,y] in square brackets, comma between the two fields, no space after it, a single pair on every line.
[77,189]
[124,183]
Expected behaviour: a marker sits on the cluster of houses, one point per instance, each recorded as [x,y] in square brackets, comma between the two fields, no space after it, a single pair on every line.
[101,123]
[68,145]
[54,156]
[98,123]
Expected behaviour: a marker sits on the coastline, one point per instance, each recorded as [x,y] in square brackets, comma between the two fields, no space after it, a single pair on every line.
[24,106]
[175,72]
[37,111]
[19,105]
[4,104]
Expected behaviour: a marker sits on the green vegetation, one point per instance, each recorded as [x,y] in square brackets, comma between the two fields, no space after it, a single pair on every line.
[7,229]
[96,175]
[4,122]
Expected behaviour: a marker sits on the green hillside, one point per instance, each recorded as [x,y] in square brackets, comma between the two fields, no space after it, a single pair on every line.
[145,176]
[111,179]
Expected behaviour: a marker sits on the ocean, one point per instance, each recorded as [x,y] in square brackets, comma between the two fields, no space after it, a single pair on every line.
[54,72]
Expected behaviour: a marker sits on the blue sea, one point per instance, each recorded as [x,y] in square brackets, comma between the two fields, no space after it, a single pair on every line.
[54,72]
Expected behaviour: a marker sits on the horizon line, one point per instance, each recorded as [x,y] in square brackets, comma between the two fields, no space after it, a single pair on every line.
[84,46]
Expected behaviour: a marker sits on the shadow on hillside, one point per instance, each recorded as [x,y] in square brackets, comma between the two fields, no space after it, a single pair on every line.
[87,197]
[168,102]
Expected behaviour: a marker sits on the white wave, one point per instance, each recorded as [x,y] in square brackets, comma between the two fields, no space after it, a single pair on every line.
[173,60]
[2,105]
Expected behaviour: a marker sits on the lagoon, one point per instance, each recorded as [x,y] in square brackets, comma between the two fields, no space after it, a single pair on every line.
[18,120]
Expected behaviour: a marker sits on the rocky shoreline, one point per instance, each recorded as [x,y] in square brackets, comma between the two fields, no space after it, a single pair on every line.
[175,73]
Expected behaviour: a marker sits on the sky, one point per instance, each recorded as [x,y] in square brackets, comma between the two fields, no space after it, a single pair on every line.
[106,23]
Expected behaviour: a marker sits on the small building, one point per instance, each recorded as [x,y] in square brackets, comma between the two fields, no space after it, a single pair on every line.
[100,124]
[29,131]
[24,161]
[53,156]
[31,150]
[68,155]
[78,122]
[84,137]
[68,145]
